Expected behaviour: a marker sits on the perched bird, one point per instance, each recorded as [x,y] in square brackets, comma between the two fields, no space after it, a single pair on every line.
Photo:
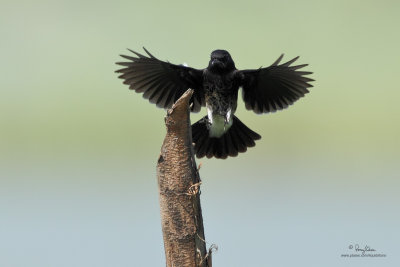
[219,134]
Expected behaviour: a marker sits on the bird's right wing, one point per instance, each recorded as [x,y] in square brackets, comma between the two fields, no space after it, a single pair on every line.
[274,87]
[161,82]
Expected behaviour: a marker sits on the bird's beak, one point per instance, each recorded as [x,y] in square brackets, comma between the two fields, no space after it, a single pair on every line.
[216,62]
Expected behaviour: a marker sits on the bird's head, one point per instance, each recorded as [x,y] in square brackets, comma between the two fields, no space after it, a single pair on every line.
[221,61]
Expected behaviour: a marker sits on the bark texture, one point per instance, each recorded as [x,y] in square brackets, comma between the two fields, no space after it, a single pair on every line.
[179,192]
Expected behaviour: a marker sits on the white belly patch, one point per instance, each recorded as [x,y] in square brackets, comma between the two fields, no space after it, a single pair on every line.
[217,126]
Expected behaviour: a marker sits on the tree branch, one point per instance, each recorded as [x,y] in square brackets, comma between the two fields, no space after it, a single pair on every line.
[179,191]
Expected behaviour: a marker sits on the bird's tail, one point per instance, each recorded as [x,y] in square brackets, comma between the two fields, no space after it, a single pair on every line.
[236,139]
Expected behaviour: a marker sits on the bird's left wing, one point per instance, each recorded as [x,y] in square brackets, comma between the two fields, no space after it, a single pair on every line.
[161,82]
[275,87]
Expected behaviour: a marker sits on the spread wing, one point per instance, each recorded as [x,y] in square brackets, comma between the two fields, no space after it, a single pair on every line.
[275,87]
[161,82]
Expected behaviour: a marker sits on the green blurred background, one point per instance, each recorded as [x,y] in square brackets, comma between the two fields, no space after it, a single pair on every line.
[78,149]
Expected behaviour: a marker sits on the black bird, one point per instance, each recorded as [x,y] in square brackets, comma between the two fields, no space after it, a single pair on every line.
[219,134]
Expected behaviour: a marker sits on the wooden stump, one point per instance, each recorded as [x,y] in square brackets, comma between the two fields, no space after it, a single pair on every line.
[179,191]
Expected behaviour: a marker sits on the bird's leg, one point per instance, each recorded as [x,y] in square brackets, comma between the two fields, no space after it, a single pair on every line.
[210,114]
[227,118]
